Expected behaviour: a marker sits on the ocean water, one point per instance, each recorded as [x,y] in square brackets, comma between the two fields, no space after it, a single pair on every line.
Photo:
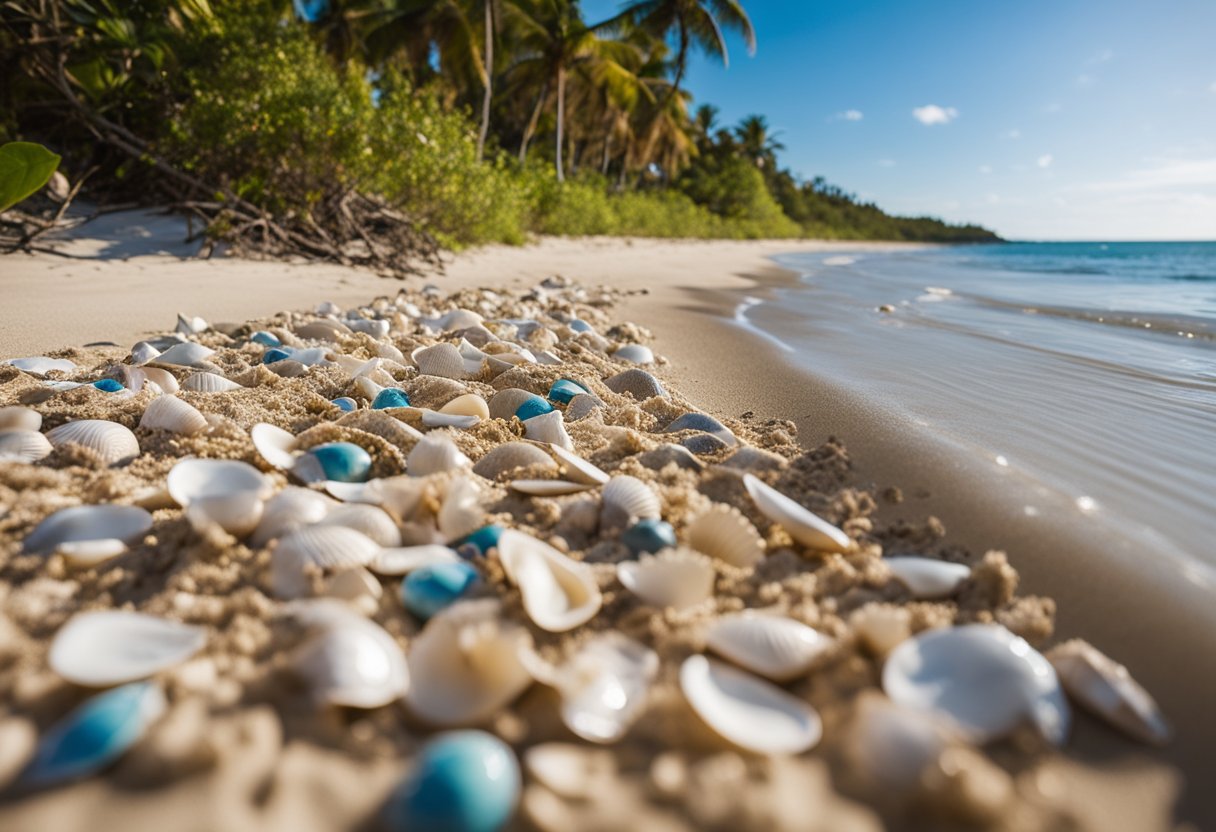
[1088,369]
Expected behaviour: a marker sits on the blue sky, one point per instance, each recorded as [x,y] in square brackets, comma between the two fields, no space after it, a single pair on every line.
[1042,119]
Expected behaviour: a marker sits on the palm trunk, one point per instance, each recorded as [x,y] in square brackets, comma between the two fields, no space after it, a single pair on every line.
[681,65]
[607,154]
[561,118]
[485,104]
[530,130]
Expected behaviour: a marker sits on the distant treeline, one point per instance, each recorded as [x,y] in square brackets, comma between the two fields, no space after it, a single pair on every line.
[323,123]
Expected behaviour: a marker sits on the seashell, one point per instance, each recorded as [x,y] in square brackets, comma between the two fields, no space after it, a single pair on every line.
[23,446]
[505,403]
[703,423]
[389,397]
[433,454]
[435,419]
[881,627]
[549,488]
[724,533]
[928,578]
[172,414]
[266,339]
[461,512]
[892,746]
[1105,688]
[349,661]
[321,330]
[137,377]
[277,446]
[110,647]
[776,647]
[634,354]
[547,358]
[604,686]
[41,365]
[443,360]
[143,352]
[223,492]
[209,383]
[532,407]
[637,383]
[581,407]
[89,533]
[357,587]
[402,560]
[511,456]
[346,404]
[96,734]
[381,424]
[558,593]
[20,418]
[374,328]
[459,319]
[114,443]
[676,578]
[484,539]
[747,711]
[799,522]
[190,326]
[704,443]
[984,678]
[328,307]
[649,536]
[570,771]
[238,514]
[748,458]
[466,664]
[186,354]
[332,548]
[464,781]
[563,390]
[669,454]
[470,404]
[366,519]
[290,509]
[335,461]
[436,586]
[386,350]
[578,469]
[626,500]
[108,385]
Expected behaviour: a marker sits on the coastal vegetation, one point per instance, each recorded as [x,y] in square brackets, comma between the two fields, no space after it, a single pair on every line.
[379,131]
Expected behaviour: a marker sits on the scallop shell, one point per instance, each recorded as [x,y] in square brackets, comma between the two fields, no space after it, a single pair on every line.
[277,446]
[187,354]
[984,678]
[1104,687]
[332,548]
[466,664]
[549,488]
[20,418]
[209,383]
[470,404]
[747,711]
[676,578]
[635,354]
[928,578]
[290,509]
[577,468]
[604,686]
[443,360]
[23,446]
[174,415]
[461,514]
[627,499]
[801,524]
[75,531]
[511,456]
[40,365]
[349,661]
[559,593]
[772,646]
[366,519]
[403,560]
[504,403]
[433,454]
[110,647]
[724,533]
[113,442]
[549,428]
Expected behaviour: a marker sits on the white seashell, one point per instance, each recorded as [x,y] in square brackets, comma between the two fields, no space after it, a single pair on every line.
[604,686]
[136,378]
[627,499]
[470,404]
[277,446]
[290,509]
[328,307]
[332,548]
[928,578]
[443,360]
[676,578]
[349,661]
[983,677]
[86,553]
[510,456]
[461,514]
[23,446]
[99,649]
[386,350]
[322,330]
[209,383]
[358,588]
[434,454]
[558,593]
[572,772]
[238,514]
[113,442]
[1104,687]
[549,488]
[635,354]
[435,419]
[549,428]
[40,365]
[174,415]
[20,418]
[724,533]
[775,647]
[187,354]
[577,468]
[405,559]
[459,319]
[547,358]
[366,519]
[466,664]
[892,746]
[143,352]
[87,524]
[192,479]
[374,328]
[747,711]
[190,326]
[801,524]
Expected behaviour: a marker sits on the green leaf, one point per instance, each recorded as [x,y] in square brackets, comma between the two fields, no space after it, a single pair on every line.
[24,168]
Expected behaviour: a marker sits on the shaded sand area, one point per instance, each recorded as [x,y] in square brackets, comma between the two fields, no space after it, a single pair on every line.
[885,490]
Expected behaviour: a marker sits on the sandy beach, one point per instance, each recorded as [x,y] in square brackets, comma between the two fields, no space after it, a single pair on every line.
[116,288]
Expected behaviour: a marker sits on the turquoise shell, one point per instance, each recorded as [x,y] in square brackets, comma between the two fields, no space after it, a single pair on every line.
[430,589]
[579,325]
[649,536]
[265,339]
[484,539]
[108,385]
[346,404]
[563,390]
[390,397]
[342,461]
[464,781]
[534,406]
[275,354]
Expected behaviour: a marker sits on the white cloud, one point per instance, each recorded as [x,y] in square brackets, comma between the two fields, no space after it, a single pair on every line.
[850,115]
[931,114]
[1162,174]
[1085,80]
[1014,134]
[1101,58]
[886,163]
[1044,161]
[985,169]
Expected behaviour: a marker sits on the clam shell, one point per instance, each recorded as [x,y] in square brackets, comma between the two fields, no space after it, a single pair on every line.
[470,404]
[143,352]
[673,578]
[443,360]
[549,428]
[772,646]
[20,418]
[349,661]
[82,524]
[113,442]
[801,524]
[604,686]
[549,488]
[174,415]
[136,377]
[637,383]
[23,446]
[110,647]
[558,593]
[984,678]
[403,560]
[40,365]
[510,456]
[238,513]
[627,499]
[459,319]
[928,578]
[187,354]
[634,354]
[724,533]
[1105,688]
[504,403]
[578,469]
[209,383]
[277,446]
[461,513]
[331,548]
[366,519]
[434,454]
[748,711]
[290,509]
[466,664]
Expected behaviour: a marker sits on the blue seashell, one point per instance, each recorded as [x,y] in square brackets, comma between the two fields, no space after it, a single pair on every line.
[484,539]
[696,421]
[563,390]
[95,734]
[464,781]
[649,536]
[534,406]
[579,325]
[390,397]
[342,461]
[346,404]
[276,354]
[265,339]
[108,385]
[428,590]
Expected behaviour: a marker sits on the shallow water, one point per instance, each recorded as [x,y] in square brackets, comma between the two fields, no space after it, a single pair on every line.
[1085,369]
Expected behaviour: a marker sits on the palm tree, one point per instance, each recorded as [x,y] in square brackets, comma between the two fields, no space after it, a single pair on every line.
[757,143]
